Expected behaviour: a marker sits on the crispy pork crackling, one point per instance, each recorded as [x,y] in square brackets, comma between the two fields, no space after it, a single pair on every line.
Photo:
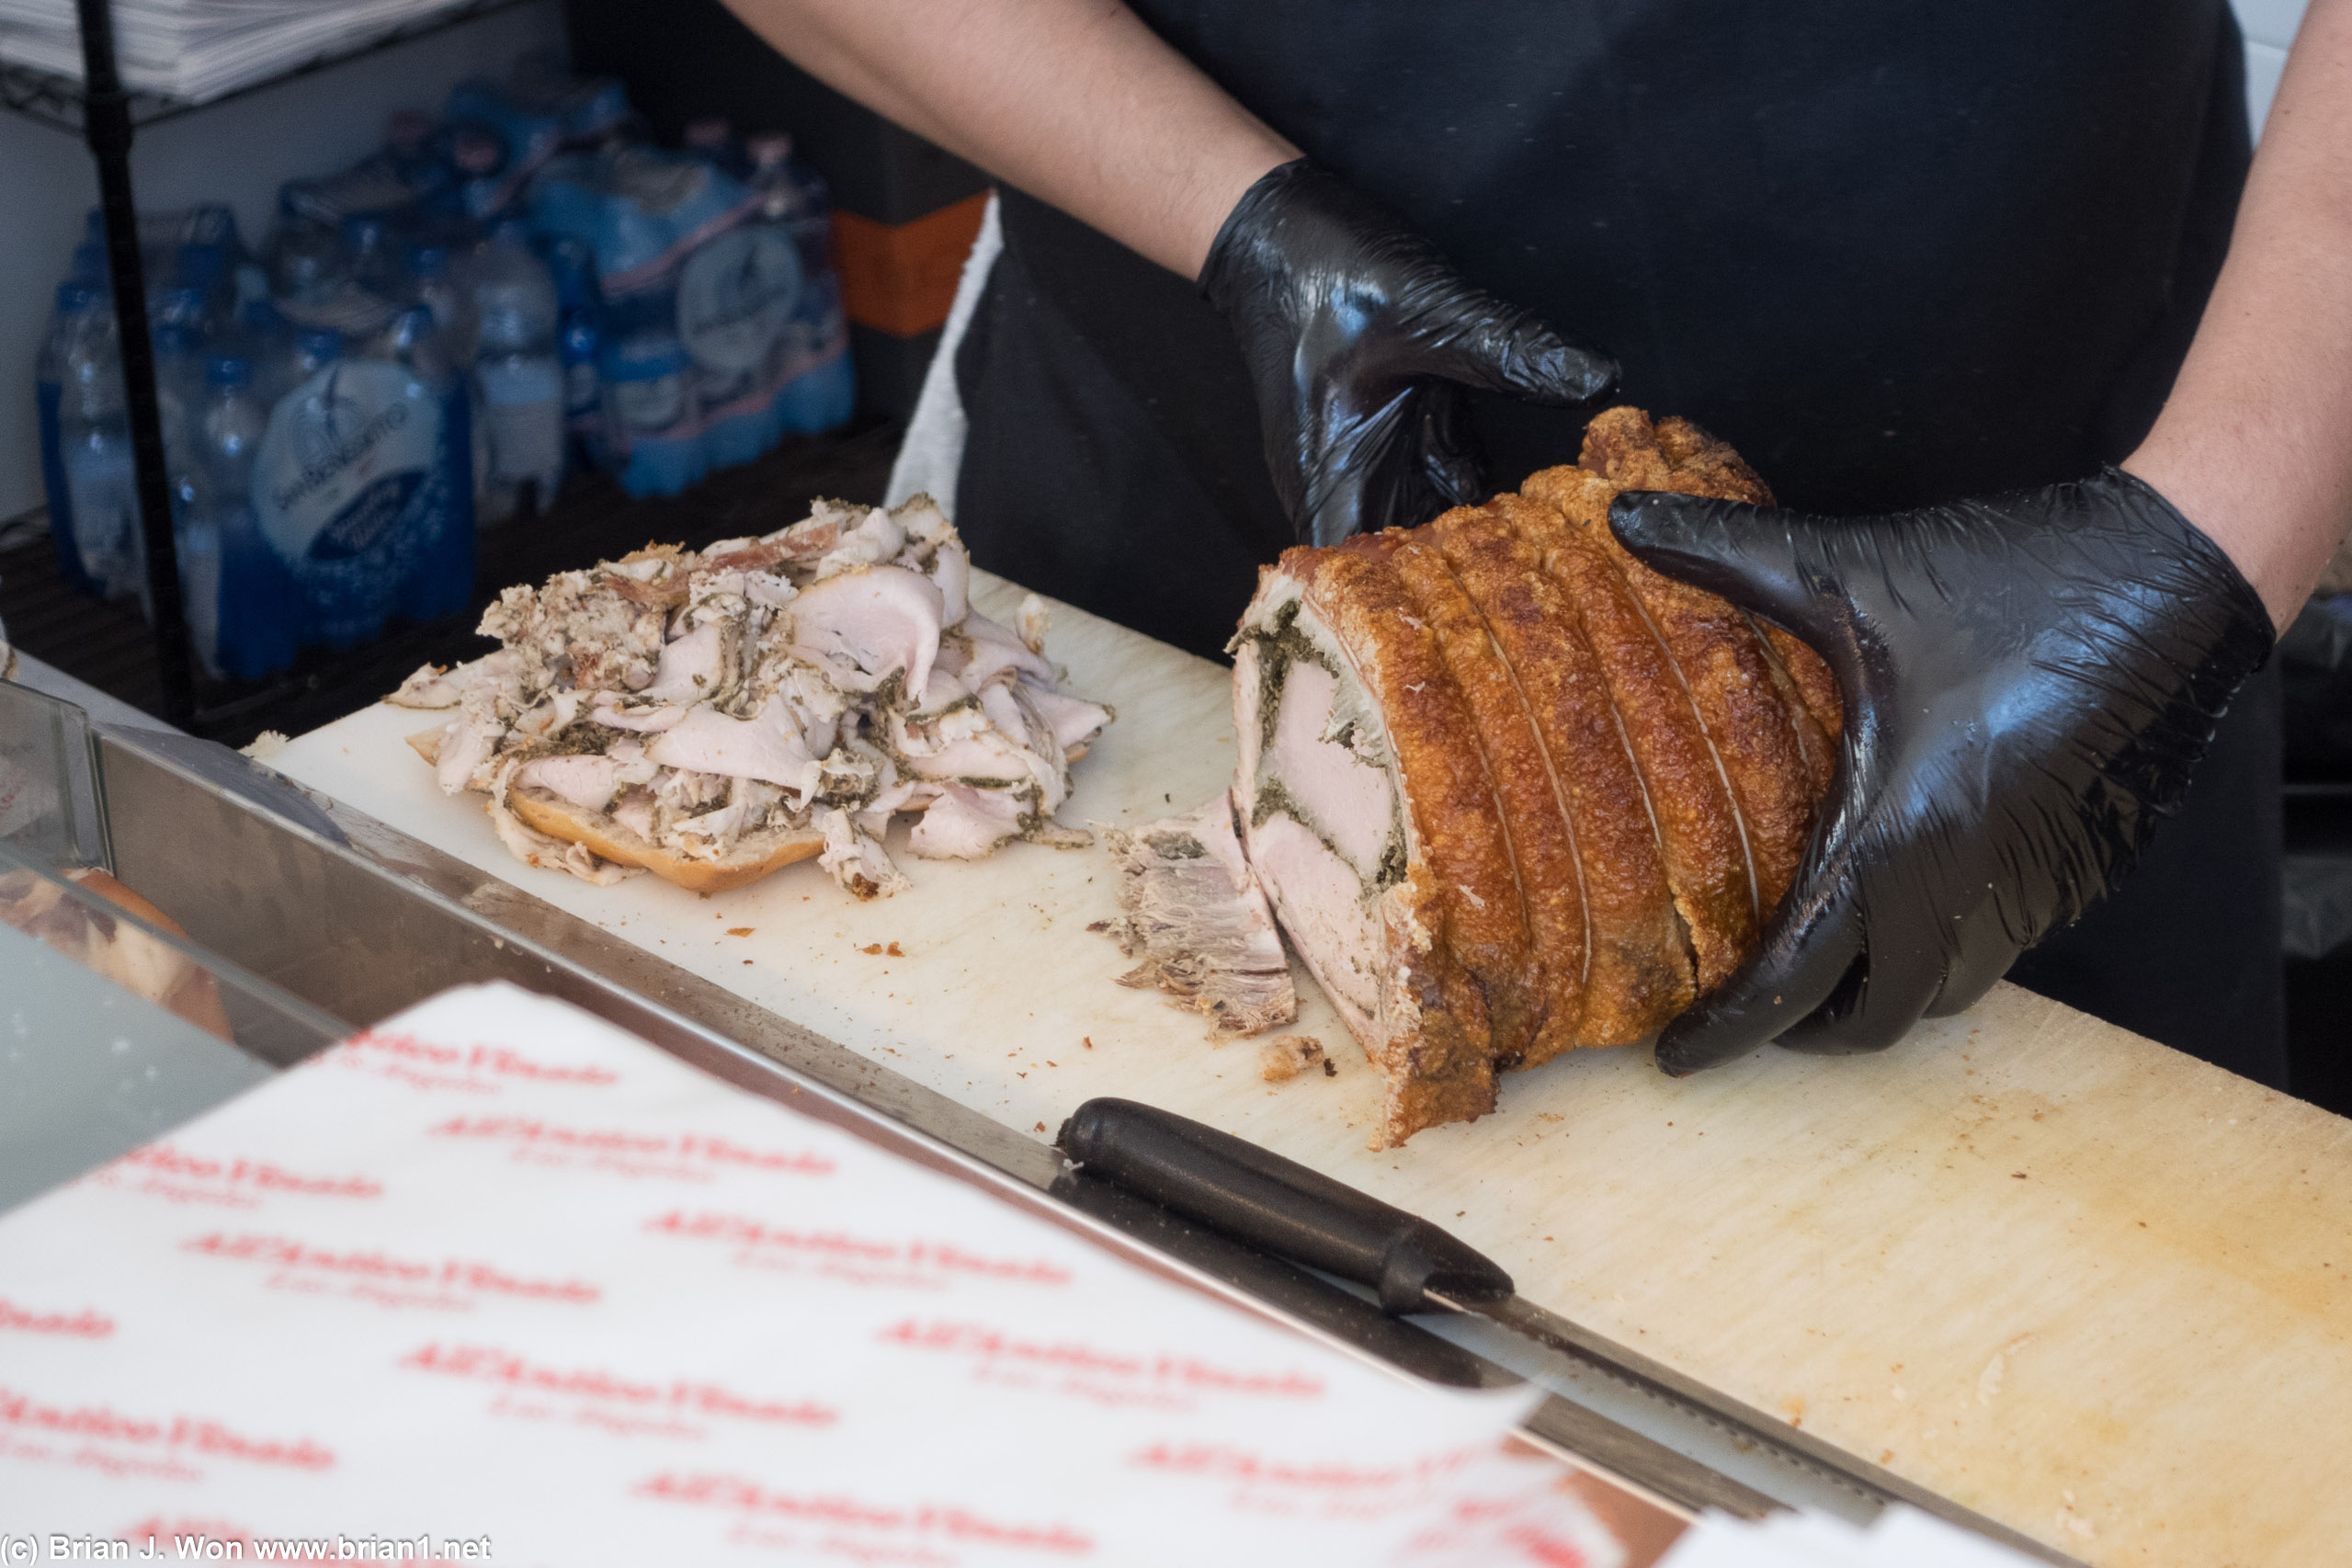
[1508,793]
[712,716]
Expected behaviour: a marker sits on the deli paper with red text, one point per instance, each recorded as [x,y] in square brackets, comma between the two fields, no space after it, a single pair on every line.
[495,1281]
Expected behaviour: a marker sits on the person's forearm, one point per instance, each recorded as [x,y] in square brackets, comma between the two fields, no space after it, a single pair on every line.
[2255,444]
[1074,101]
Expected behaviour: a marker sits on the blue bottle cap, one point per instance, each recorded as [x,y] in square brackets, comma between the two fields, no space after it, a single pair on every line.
[362,231]
[211,223]
[90,262]
[182,304]
[228,371]
[74,296]
[320,343]
[428,261]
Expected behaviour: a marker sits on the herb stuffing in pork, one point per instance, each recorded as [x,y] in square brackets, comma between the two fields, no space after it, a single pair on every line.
[712,716]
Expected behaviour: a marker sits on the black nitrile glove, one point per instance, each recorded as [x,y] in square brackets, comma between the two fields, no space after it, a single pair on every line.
[1362,344]
[2029,681]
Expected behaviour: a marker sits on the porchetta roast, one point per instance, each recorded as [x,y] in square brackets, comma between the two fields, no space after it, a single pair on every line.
[1507,791]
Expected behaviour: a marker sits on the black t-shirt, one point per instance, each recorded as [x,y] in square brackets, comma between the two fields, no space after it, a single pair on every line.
[1893,253]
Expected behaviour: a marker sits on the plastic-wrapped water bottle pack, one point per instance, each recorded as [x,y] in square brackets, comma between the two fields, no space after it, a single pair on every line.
[426,344]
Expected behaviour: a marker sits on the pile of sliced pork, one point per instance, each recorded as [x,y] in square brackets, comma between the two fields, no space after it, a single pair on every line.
[1507,791]
[712,715]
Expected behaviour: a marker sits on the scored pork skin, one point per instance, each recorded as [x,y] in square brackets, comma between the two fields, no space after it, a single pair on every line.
[1689,799]
[1545,880]
[1626,449]
[1728,677]
[1637,971]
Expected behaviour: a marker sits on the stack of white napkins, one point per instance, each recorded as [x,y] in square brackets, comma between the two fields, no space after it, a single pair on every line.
[496,1281]
[197,50]
[1898,1538]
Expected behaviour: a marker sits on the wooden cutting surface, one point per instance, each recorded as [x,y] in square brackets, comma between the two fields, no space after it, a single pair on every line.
[2081,1283]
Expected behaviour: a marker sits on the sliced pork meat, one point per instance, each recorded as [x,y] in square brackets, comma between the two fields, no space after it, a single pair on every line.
[585,779]
[715,716]
[1425,935]
[864,628]
[992,651]
[767,745]
[855,859]
[690,669]
[964,824]
[1194,913]
[645,717]
[1507,792]
[432,687]
[1074,721]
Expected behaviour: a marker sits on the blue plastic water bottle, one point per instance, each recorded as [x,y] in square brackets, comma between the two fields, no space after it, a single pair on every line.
[242,612]
[441,581]
[577,337]
[94,449]
[342,482]
[519,374]
[813,386]
[75,299]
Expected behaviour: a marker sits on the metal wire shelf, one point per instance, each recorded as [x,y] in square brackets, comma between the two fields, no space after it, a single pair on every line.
[104,114]
[59,102]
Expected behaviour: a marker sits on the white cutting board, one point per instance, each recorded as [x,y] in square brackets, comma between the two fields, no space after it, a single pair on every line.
[2079,1282]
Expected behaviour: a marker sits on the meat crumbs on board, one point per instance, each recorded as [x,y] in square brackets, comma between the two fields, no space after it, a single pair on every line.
[1506,791]
[713,715]
[1284,1057]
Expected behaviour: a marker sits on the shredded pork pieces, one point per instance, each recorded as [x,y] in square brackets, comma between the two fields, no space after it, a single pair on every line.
[1195,912]
[813,683]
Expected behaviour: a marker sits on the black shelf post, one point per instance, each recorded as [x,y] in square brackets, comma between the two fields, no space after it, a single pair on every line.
[106,124]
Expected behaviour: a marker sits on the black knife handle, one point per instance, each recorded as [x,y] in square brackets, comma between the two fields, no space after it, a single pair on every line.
[1275,1204]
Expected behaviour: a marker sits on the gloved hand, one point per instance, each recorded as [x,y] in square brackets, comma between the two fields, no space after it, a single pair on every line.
[1362,344]
[2029,681]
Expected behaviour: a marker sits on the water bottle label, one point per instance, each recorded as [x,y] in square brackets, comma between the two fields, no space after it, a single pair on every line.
[648,406]
[346,461]
[523,404]
[735,296]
